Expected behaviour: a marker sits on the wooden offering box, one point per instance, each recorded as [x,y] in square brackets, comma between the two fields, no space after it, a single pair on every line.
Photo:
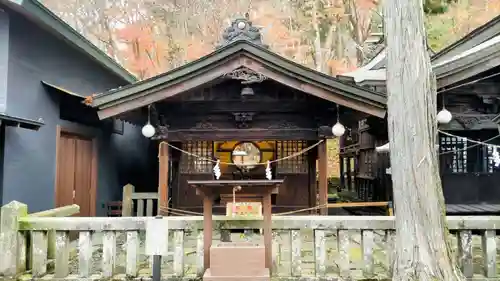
[237,261]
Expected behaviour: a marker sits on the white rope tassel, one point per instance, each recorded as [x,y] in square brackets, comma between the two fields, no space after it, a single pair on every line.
[216,170]
[269,175]
[496,156]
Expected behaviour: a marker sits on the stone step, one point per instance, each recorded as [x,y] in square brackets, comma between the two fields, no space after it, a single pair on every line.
[263,275]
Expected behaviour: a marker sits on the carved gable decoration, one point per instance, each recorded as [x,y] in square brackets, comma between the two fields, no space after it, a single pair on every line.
[246,76]
[242,29]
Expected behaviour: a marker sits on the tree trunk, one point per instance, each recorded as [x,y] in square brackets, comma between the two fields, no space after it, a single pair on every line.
[318,54]
[422,248]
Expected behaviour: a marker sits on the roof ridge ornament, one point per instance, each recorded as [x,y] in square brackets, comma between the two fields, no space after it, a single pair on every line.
[242,29]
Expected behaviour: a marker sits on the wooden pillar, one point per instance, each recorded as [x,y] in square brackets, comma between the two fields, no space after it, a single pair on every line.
[313,190]
[349,172]
[266,210]
[323,177]
[127,204]
[341,165]
[207,228]
[163,179]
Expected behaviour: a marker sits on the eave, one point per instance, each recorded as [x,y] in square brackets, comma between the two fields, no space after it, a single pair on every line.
[473,38]
[233,56]
[13,121]
[467,64]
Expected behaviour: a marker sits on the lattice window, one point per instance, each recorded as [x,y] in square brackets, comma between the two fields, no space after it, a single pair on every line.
[293,165]
[453,151]
[194,165]
[367,166]
[488,163]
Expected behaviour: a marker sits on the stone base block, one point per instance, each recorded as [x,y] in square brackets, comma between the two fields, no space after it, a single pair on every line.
[263,275]
[237,259]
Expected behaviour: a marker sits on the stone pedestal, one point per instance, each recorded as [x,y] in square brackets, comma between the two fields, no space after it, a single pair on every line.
[237,261]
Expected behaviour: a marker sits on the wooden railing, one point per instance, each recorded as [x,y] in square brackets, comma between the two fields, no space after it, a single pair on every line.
[304,247]
[140,199]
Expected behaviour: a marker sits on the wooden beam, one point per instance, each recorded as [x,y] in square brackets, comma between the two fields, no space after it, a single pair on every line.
[163,157]
[323,178]
[358,204]
[253,134]
[313,89]
[65,211]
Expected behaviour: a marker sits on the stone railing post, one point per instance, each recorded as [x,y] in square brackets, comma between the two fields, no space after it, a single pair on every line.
[9,249]
[127,205]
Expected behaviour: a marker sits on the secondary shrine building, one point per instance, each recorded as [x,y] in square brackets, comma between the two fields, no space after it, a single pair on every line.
[244,105]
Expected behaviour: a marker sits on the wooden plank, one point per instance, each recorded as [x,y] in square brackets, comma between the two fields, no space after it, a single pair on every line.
[358,204]
[127,202]
[108,253]
[65,211]
[144,195]
[140,208]
[149,208]
[131,268]
[62,254]
[39,253]
[84,254]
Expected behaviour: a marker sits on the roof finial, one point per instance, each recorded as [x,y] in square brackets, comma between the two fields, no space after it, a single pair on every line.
[242,29]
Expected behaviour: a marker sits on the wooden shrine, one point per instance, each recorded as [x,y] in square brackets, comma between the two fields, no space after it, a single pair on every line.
[242,96]
[468,79]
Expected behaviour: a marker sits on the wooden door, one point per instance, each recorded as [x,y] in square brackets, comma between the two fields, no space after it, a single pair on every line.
[76,170]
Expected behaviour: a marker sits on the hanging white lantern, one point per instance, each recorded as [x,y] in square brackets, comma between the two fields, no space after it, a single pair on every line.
[338,129]
[444,116]
[148,130]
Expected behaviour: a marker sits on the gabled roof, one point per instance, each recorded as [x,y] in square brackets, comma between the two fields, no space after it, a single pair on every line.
[459,67]
[375,69]
[240,53]
[41,15]
[473,38]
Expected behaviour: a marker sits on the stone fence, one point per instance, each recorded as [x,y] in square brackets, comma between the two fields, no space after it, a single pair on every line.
[304,247]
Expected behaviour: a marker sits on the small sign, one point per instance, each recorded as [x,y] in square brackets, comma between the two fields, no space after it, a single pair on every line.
[246,209]
[157,237]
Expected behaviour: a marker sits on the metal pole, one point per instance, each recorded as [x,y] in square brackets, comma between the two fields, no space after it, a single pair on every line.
[157,263]
[156,268]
